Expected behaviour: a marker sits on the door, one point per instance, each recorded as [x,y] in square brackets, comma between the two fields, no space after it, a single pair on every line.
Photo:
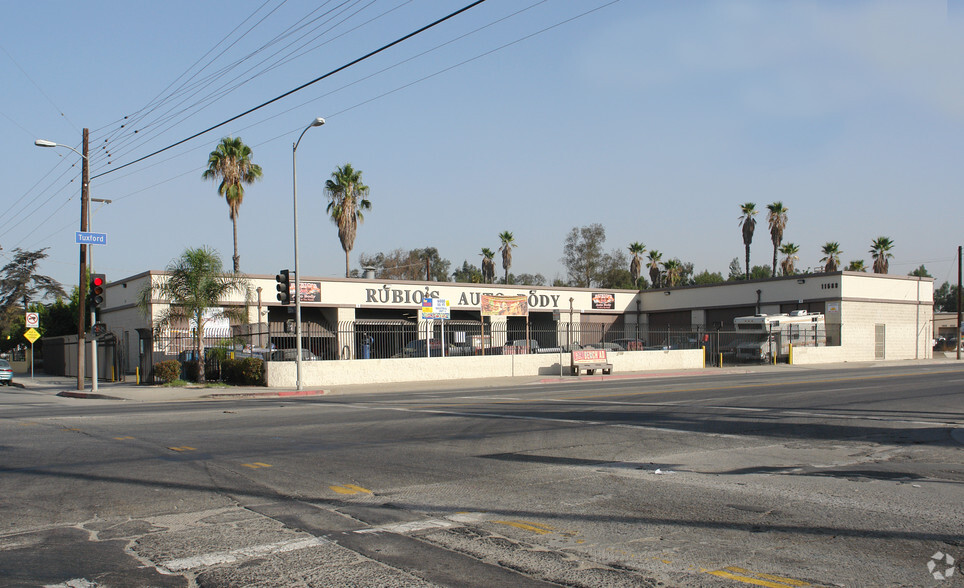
[880,340]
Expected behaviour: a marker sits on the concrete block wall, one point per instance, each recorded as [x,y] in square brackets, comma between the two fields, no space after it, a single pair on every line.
[281,374]
[908,330]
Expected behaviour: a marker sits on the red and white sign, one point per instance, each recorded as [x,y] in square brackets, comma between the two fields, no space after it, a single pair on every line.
[33,320]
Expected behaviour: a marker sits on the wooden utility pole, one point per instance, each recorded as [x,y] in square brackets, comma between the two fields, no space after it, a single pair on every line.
[958,338]
[82,283]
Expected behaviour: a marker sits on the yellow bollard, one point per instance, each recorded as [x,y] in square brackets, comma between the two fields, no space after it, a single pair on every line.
[137,372]
[791,354]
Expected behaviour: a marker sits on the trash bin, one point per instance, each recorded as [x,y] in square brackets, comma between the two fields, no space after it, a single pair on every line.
[366,348]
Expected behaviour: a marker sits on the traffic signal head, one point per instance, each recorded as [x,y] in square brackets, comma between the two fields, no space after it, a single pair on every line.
[284,286]
[97,284]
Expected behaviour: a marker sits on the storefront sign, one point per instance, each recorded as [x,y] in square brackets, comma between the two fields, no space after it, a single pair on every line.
[603,301]
[435,309]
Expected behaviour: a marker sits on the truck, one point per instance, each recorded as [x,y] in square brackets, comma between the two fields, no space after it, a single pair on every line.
[767,337]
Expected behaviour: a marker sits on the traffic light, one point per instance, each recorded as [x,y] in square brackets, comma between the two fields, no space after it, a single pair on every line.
[97,284]
[284,286]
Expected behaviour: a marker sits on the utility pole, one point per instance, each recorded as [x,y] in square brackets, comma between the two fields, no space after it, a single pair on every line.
[82,283]
[958,338]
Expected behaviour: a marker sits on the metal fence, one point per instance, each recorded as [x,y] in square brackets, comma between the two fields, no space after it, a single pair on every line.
[379,339]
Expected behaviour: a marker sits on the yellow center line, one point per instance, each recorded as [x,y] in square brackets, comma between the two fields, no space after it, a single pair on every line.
[528,526]
[256,465]
[359,489]
[745,579]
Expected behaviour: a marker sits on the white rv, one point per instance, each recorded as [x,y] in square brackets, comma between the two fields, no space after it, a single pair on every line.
[766,337]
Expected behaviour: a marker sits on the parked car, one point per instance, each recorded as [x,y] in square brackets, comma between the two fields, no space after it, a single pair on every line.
[604,345]
[291,355]
[6,373]
[630,344]
[417,348]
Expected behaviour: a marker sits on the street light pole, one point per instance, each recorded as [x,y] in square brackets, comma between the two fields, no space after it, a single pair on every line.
[82,282]
[294,183]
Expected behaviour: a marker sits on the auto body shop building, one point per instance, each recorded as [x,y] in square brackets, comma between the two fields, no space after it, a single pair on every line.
[868,317]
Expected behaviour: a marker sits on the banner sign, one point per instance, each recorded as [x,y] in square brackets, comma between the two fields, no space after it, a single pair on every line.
[310,291]
[504,305]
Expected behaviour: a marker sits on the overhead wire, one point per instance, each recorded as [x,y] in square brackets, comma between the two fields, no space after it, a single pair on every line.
[299,88]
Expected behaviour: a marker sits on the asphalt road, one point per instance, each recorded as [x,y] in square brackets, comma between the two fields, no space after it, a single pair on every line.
[786,478]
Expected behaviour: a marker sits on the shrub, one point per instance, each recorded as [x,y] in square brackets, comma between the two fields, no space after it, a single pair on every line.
[245,371]
[167,371]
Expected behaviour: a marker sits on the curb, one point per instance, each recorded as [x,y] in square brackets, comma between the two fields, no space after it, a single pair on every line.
[281,394]
[69,394]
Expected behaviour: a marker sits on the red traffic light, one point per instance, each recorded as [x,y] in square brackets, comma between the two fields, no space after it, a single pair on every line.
[98,280]
[97,283]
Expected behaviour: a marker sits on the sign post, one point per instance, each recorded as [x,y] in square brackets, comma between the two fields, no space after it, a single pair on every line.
[31,335]
[435,309]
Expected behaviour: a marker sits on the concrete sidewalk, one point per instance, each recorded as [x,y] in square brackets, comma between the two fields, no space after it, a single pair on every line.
[67,387]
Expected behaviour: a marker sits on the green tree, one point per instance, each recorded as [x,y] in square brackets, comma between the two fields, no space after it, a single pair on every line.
[613,272]
[789,250]
[831,256]
[508,242]
[777,218]
[528,279]
[231,163]
[194,287]
[760,272]
[488,266]
[20,284]
[856,265]
[583,255]
[347,203]
[880,249]
[636,249]
[945,298]
[706,278]
[408,265]
[736,271]
[921,272]
[748,224]
[655,275]
[467,274]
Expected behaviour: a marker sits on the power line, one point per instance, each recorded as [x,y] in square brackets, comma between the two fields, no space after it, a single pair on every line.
[299,88]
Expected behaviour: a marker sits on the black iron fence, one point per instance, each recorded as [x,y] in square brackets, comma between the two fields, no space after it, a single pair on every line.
[402,339]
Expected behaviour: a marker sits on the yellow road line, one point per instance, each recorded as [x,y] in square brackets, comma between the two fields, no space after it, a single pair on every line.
[768,580]
[350,489]
[789,581]
[256,465]
[123,438]
[528,526]
[182,448]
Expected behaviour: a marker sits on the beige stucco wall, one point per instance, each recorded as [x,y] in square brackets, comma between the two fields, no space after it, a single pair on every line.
[379,371]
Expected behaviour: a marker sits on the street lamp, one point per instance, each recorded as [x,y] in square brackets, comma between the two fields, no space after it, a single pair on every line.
[82,282]
[294,174]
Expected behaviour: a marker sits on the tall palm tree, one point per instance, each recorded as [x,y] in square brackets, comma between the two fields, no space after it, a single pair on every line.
[777,218]
[790,251]
[748,223]
[195,285]
[348,199]
[488,266]
[637,249]
[508,242]
[831,251]
[856,265]
[880,249]
[654,273]
[231,163]
[673,270]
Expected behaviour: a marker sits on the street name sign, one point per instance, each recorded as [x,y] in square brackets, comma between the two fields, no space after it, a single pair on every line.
[84,238]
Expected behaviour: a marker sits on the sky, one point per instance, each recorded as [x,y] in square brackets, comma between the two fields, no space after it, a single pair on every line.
[655,119]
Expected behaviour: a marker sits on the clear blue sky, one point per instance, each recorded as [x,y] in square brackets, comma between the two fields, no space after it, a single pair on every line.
[656,119]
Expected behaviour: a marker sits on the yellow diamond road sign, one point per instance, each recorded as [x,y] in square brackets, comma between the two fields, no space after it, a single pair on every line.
[32,335]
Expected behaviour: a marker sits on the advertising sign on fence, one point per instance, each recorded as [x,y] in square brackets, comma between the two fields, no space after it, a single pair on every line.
[435,309]
[504,305]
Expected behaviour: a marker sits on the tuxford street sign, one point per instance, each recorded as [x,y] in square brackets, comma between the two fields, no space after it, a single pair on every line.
[91,238]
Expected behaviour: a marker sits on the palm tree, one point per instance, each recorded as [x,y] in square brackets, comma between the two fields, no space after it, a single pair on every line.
[488,266]
[348,198]
[880,249]
[856,265]
[749,224]
[654,262]
[231,163]
[673,269]
[507,244]
[635,265]
[195,285]
[790,250]
[777,218]
[831,251]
